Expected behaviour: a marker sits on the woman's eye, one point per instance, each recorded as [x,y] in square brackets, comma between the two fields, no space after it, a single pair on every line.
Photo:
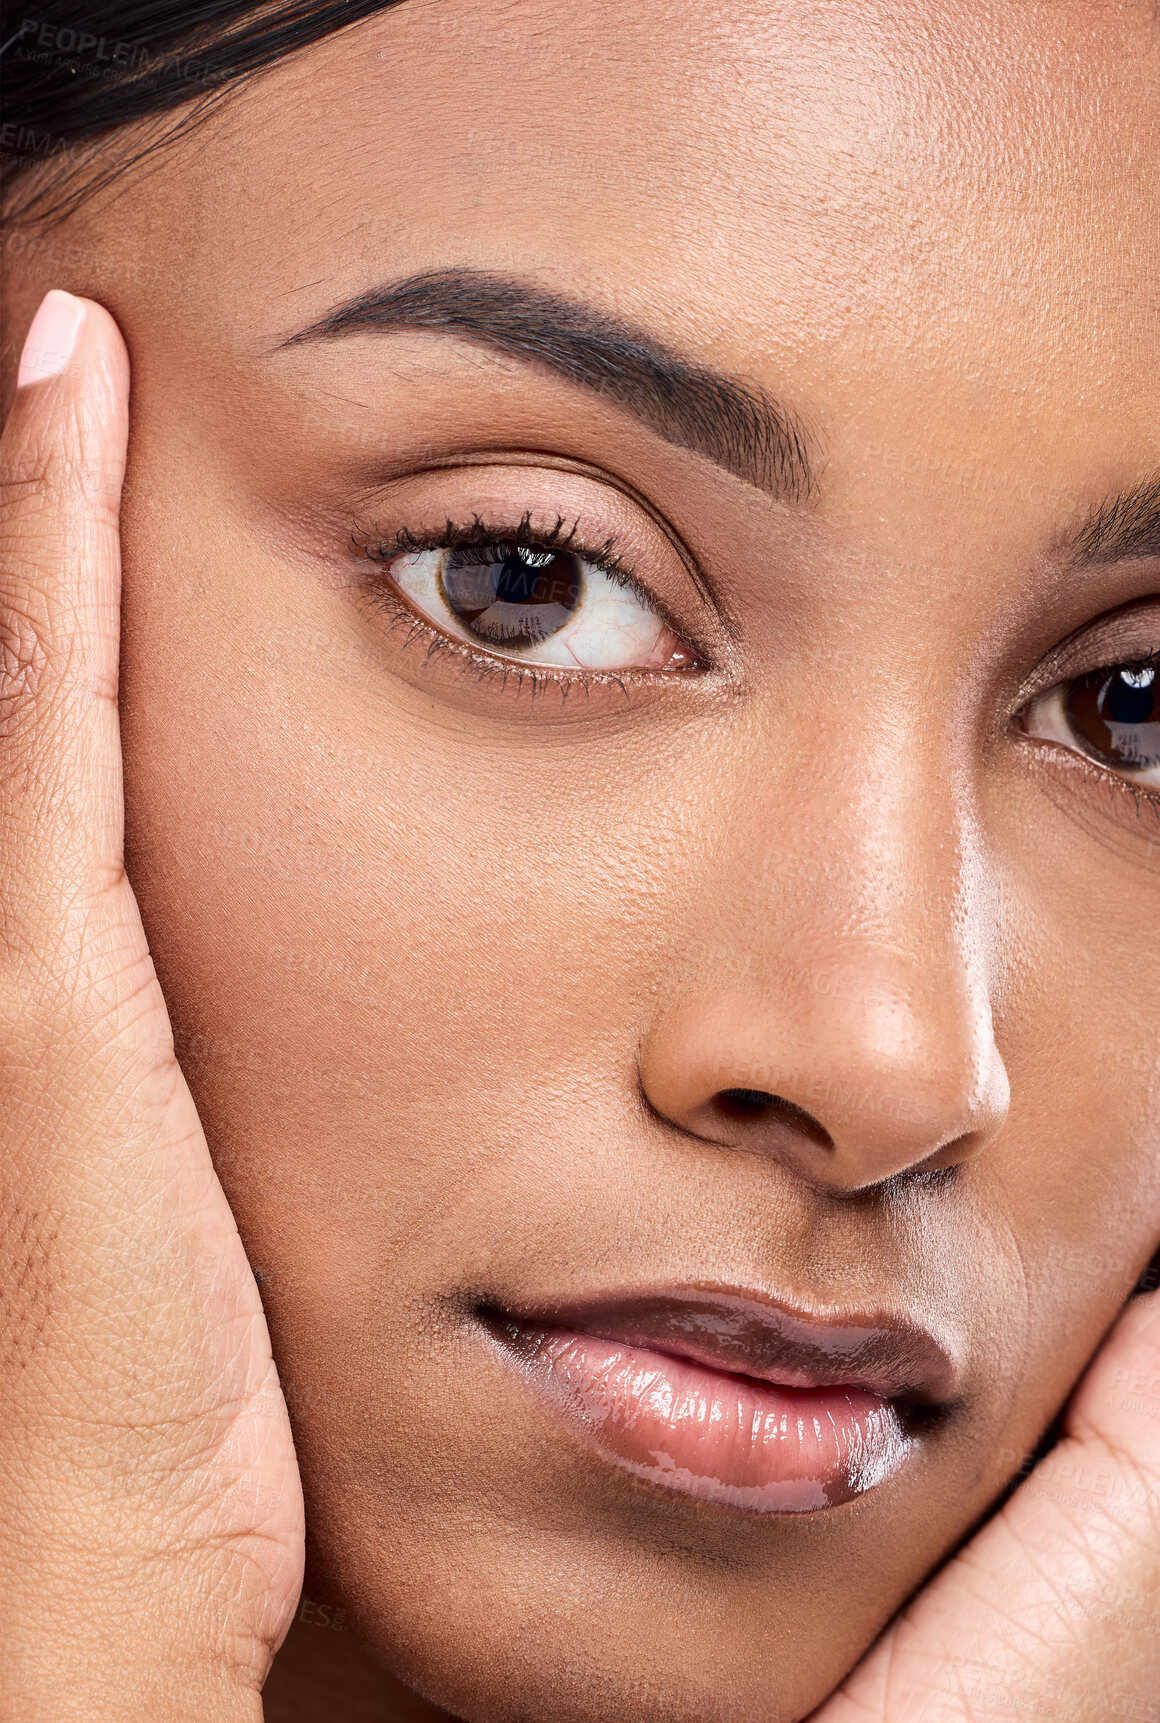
[1111,715]
[549,606]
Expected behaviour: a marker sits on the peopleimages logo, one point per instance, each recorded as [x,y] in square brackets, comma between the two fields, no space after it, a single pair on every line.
[63,40]
[83,51]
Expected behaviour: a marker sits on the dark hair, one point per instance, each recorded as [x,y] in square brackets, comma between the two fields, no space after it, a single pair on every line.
[67,80]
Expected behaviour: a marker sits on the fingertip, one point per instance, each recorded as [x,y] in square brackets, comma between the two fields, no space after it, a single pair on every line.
[67,432]
[70,333]
[52,337]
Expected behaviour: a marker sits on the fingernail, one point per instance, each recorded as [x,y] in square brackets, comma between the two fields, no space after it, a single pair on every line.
[49,344]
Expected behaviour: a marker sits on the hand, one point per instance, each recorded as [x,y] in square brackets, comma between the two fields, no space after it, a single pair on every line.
[1052,1611]
[150,1502]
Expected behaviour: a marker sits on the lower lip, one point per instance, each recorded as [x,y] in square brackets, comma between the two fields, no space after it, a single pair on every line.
[718,1438]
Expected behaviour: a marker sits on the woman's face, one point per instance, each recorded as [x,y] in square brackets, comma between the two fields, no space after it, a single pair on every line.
[716,751]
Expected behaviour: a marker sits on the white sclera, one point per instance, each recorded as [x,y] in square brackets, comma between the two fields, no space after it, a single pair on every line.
[608,629]
[1046,717]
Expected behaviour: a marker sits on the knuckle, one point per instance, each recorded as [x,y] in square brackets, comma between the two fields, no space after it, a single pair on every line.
[59,514]
[25,480]
[25,656]
[31,481]
[43,480]
[50,644]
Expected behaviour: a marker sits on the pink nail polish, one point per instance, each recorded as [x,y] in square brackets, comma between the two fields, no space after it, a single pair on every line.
[49,344]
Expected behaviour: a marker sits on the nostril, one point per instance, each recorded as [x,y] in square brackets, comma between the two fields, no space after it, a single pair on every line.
[759,1104]
[743,1103]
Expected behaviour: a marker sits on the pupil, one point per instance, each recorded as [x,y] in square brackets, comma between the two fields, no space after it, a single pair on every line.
[1117,716]
[515,599]
[523,582]
[1129,697]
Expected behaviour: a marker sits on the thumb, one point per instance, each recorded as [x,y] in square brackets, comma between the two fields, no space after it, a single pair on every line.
[63,459]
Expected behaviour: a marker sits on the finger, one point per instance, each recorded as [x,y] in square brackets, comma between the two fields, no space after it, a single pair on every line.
[63,458]
[1116,1409]
[1053,1609]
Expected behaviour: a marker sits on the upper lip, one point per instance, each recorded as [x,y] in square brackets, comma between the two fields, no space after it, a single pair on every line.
[748,1333]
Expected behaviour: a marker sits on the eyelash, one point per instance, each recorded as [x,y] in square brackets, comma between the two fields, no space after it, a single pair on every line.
[1143,795]
[524,536]
[484,667]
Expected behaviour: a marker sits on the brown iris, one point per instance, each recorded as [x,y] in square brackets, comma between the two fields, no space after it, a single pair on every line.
[509,595]
[1116,715]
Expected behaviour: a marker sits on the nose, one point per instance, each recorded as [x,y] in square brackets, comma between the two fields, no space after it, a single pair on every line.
[853,1079]
[857,1047]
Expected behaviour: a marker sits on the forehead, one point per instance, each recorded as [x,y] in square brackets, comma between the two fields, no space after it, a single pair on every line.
[777,179]
[937,214]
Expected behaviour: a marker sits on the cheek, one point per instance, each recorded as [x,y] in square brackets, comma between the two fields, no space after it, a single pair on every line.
[365,919]
[1077,1000]
[1077,997]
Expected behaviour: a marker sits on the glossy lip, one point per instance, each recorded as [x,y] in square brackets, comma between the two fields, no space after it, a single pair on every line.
[750,1334]
[732,1397]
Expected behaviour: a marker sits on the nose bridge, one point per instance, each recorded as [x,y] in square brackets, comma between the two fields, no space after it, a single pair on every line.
[866,1002]
[890,937]
[889,962]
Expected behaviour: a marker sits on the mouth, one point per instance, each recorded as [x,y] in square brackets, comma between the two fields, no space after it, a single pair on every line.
[732,1399]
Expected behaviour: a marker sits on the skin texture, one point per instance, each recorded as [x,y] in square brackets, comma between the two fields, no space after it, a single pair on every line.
[456,974]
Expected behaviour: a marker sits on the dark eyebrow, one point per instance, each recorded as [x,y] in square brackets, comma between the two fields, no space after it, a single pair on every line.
[1120,527]
[736,425]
